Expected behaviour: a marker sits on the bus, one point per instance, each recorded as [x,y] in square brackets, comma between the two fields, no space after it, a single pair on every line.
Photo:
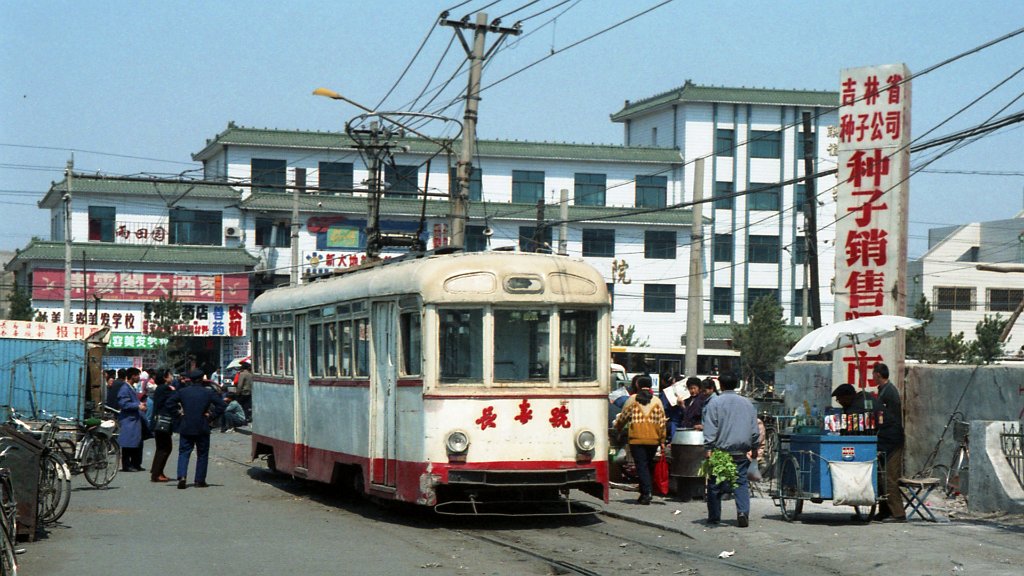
[656,361]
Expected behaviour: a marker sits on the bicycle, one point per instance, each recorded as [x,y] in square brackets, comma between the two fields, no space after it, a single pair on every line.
[94,453]
[54,474]
[957,473]
[8,520]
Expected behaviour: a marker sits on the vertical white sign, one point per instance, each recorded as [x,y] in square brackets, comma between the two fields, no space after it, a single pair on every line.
[872,200]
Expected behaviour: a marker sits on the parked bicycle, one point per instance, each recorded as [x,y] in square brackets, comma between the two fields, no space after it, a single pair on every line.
[54,474]
[8,519]
[953,478]
[94,452]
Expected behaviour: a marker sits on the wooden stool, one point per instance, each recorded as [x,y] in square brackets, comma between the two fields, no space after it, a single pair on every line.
[915,493]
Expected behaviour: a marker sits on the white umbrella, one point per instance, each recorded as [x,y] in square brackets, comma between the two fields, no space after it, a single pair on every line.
[237,362]
[851,332]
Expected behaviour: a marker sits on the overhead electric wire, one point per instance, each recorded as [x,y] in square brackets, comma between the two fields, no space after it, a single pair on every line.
[407,66]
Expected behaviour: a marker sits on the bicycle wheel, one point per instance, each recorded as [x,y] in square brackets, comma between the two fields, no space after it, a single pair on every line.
[957,473]
[100,461]
[768,453]
[789,489]
[54,488]
[67,450]
[8,527]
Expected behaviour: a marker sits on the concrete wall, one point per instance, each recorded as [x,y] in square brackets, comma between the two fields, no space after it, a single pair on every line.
[930,394]
[993,485]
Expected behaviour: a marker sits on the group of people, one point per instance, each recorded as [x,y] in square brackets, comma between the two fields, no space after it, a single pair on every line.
[730,424]
[192,403]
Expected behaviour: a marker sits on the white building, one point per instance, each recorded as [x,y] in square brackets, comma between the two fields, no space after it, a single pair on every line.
[751,137]
[960,294]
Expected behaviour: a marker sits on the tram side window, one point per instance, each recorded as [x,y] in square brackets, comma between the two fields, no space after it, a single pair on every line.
[362,342]
[578,338]
[316,344]
[331,349]
[411,343]
[288,345]
[346,348]
[461,344]
[279,351]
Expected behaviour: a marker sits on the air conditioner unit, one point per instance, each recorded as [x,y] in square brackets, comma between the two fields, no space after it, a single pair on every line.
[232,232]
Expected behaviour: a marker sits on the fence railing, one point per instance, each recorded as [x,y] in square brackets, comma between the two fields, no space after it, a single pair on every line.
[1012,441]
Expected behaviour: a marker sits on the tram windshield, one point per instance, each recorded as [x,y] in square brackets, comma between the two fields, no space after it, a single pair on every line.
[524,345]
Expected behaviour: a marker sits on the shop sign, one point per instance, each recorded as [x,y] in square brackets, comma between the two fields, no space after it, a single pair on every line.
[148,286]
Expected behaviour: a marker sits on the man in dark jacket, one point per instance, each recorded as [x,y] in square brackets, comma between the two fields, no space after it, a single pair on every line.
[199,405]
[890,443]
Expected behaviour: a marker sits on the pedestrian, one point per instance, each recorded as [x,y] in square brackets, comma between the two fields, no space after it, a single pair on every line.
[890,445]
[730,425]
[164,439]
[114,387]
[245,389]
[693,406]
[131,420]
[645,419]
[198,405]
[234,415]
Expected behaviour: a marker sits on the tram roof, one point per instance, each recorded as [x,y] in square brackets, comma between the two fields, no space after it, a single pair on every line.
[474,277]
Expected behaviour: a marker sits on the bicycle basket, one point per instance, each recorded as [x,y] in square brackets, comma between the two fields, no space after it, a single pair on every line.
[960,430]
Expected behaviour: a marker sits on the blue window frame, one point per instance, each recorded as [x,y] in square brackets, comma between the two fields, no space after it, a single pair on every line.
[195,227]
[527,186]
[337,177]
[589,189]
[763,249]
[651,191]
[268,175]
[765,144]
[722,195]
[659,297]
[660,244]
[721,303]
[723,247]
[476,179]
[526,240]
[599,242]
[764,197]
[725,142]
[402,180]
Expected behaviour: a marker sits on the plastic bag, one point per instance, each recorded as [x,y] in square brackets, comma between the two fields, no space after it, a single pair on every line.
[660,479]
[754,472]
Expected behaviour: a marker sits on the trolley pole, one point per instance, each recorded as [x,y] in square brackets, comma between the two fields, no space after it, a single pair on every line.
[477,55]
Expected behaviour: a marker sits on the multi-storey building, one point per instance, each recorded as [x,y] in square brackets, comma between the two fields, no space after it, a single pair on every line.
[752,139]
[960,293]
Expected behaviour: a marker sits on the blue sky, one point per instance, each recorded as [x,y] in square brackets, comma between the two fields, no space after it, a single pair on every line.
[138,86]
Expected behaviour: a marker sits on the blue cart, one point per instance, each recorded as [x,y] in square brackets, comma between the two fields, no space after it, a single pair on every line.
[802,469]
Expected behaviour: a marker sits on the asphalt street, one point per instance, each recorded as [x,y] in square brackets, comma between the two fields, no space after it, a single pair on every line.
[252,522]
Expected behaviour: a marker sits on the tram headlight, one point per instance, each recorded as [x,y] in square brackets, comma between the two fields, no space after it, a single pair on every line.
[457,442]
[585,441]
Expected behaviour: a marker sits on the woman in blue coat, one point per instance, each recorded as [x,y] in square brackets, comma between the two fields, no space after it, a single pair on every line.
[131,422]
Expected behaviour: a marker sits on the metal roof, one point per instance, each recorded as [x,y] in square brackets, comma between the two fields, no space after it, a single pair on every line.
[91,184]
[38,250]
[690,92]
[408,207]
[340,142]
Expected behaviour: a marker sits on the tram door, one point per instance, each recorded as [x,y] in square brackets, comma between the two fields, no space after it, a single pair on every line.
[301,399]
[384,390]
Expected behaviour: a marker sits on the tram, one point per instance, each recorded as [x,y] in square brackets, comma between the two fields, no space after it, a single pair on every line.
[447,380]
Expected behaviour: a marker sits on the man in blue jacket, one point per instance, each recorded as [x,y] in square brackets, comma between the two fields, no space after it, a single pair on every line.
[730,425]
[199,405]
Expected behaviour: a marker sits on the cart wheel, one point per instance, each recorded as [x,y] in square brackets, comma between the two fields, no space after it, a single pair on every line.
[789,489]
[857,510]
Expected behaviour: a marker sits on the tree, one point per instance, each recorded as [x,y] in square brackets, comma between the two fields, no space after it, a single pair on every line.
[763,340]
[627,337]
[951,348]
[21,305]
[987,348]
[919,344]
[164,320]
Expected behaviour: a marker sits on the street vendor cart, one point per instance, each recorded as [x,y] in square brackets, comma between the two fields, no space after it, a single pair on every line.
[819,467]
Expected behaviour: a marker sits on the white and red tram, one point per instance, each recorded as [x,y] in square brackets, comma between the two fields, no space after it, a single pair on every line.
[443,379]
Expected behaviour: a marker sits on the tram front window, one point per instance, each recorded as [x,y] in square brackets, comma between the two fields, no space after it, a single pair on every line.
[578,340]
[461,338]
[521,344]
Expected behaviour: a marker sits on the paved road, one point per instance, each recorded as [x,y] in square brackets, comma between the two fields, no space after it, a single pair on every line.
[252,522]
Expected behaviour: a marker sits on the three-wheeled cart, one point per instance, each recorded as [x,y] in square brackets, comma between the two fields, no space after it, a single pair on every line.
[803,471]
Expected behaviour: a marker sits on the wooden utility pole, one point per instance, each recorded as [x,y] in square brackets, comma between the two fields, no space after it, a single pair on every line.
[538,230]
[68,175]
[695,299]
[300,184]
[811,221]
[477,55]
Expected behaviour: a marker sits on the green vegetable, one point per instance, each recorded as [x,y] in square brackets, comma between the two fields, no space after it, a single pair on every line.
[721,466]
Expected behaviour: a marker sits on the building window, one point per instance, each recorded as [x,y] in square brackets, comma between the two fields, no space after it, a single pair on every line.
[953,298]
[1004,299]
[475,239]
[527,186]
[268,175]
[651,191]
[196,227]
[527,242]
[799,250]
[599,242]
[799,198]
[101,223]
[274,233]
[476,179]
[765,144]
[798,302]
[336,177]
[725,142]
[800,144]
[659,297]
[763,249]
[723,247]
[654,136]
[721,303]
[660,244]
[755,294]
[764,197]
[589,189]
[722,194]
[401,180]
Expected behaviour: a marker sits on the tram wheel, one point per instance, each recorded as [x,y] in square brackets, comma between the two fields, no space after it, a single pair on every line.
[789,489]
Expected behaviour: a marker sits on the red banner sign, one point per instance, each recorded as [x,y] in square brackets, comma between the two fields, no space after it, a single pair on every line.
[145,286]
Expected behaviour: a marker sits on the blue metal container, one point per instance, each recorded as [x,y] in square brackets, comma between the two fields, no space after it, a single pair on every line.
[813,453]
